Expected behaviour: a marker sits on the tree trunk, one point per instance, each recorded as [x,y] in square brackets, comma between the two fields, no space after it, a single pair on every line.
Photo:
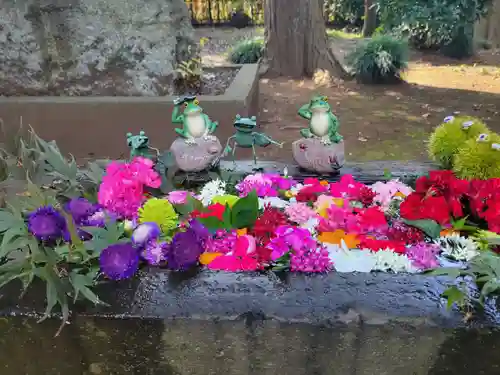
[370,19]
[296,41]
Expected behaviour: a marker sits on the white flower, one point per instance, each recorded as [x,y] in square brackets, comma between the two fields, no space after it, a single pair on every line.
[295,189]
[495,146]
[210,190]
[457,247]
[355,260]
[273,201]
[387,260]
[467,124]
[311,225]
[448,118]
[285,172]
[483,137]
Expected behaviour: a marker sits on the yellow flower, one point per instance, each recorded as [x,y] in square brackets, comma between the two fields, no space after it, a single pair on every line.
[289,194]
[324,202]
[228,199]
[335,238]
[242,232]
[159,211]
[207,257]
[399,195]
[324,183]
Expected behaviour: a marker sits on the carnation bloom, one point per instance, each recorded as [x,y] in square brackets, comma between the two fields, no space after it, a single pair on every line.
[299,212]
[47,224]
[119,261]
[159,211]
[259,182]
[184,250]
[144,233]
[122,187]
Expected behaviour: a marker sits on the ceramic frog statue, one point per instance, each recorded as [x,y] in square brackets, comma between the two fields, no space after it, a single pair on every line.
[323,123]
[139,145]
[195,123]
[245,136]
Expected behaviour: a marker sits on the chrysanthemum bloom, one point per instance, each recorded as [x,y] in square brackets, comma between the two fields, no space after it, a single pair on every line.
[184,250]
[119,261]
[145,232]
[210,190]
[47,224]
[159,211]
[155,252]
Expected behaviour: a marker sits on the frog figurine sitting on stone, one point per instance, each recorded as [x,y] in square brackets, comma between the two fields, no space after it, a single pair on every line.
[321,150]
[196,148]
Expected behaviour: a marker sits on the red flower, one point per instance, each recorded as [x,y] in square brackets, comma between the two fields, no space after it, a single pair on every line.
[416,207]
[242,258]
[366,196]
[264,230]
[371,219]
[376,245]
[405,233]
[310,193]
[214,210]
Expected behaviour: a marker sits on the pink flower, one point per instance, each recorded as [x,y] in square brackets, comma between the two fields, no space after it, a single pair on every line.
[243,258]
[178,196]
[122,187]
[347,187]
[259,182]
[299,212]
[386,191]
[423,255]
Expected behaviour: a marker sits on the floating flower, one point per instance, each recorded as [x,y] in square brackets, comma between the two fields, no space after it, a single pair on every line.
[375,245]
[402,232]
[423,255]
[200,231]
[387,260]
[457,247]
[184,251]
[350,260]
[242,258]
[210,190]
[159,211]
[336,238]
[264,229]
[273,202]
[386,191]
[155,252]
[47,224]
[119,261]
[347,187]
[214,210]
[178,196]
[259,182]
[314,259]
[299,212]
[144,233]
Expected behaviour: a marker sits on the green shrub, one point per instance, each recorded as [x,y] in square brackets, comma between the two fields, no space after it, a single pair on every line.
[448,137]
[247,51]
[479,158]
[380,60]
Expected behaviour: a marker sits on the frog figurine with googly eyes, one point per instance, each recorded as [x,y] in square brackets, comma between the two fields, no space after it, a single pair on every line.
[195,123]
[139,145]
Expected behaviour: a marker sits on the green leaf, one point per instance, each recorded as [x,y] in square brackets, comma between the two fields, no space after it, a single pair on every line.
[245,211]
[387,174]
[7,220]
[429,227]
[81,284]
[452,272]
[75,239]
[454,295]
[14,238]
[188,207]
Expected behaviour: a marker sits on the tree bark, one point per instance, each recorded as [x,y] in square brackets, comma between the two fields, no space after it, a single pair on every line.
[370,19]
[296,41]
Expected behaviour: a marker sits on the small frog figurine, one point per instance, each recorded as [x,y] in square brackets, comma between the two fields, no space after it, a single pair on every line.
[246,137]
[195,123]
[139,145]
[323,123]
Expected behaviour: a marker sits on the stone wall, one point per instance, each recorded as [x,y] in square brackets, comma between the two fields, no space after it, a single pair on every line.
[42,40]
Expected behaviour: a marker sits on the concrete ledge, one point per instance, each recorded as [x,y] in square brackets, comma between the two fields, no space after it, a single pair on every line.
[96,126]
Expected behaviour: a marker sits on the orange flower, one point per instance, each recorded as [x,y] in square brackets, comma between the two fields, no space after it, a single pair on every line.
[242,232]
[335,238]
[324,183]
[448,232]
[400,195]
[207,258]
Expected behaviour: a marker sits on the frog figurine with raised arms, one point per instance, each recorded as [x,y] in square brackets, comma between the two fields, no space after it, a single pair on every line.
[323,123]
[195,123]
[245,136]
[139,145]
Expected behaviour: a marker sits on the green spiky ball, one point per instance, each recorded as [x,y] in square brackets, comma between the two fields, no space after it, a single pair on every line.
[478,159]
[448,137]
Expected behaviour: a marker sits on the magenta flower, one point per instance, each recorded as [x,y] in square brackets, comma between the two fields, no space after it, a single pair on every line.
[314,259]
[347,187]
[47,224]
[184,250]
[289,238]
[178,196]
[155,252]
[119,261]
[424,255]
[259,182]
[280,182]
[223,242]
[144,233]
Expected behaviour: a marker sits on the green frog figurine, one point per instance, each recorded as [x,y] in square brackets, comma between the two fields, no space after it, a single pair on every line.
[323,123]
[245,136]
[195,123]
[139,145]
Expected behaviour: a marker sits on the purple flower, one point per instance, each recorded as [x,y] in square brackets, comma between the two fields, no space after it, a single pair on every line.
[423,255]
[201,232]
[144,233]
[119,261]
[155,252]
[47,224]
[99,219]
[282,183]
[448,118]
[80,209]
[184,250]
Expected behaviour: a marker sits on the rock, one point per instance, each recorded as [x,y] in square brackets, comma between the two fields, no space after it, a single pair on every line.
[198,157]
[314,156]
[44,40]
